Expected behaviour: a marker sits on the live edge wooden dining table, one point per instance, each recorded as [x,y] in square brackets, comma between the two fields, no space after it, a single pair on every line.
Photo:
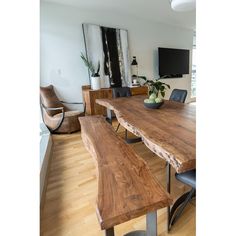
[169,131]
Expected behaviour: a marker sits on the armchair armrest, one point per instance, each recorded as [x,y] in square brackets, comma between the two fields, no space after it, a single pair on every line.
[52,108]
[81,103]
[71,102]
[43,107]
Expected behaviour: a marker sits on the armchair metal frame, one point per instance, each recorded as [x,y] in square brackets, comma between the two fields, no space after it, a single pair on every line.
[44,108]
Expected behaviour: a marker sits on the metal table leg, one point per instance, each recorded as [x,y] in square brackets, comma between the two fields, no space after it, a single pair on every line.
[151,226]
[151,221]
[109,116]
[110,232]
[131,140]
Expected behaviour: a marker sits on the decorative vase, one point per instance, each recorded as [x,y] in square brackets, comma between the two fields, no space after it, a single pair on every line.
[95,83]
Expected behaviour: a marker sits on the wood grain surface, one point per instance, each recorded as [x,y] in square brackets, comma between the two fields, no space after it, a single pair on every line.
[89,97]
[126,186]
[169,132]
[71,194]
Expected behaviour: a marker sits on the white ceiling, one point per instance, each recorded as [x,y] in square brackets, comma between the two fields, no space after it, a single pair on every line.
[154,10]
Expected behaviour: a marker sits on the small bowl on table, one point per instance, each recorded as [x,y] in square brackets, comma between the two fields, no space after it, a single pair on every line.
[153,105]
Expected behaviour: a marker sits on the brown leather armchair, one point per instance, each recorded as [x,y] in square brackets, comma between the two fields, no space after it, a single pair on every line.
[56,116]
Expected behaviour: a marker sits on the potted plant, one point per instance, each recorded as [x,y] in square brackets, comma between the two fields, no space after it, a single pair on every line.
[95,77]
[156,90]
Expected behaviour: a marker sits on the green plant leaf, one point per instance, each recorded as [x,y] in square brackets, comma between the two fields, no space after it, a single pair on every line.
[150,81]
[156,86]
[98,67]
[88,64]
[163,94]
[162,88]
[167,85]
[142,77]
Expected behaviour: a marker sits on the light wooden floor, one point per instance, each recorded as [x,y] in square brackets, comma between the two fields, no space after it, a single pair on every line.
[69,208]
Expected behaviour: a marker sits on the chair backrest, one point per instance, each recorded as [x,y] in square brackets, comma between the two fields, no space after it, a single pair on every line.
[49,99]
[178,95]
[121,92]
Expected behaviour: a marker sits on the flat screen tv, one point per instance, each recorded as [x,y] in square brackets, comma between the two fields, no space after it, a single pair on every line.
[173,63]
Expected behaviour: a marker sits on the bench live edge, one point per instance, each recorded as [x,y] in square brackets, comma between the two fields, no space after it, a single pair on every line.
[126,187]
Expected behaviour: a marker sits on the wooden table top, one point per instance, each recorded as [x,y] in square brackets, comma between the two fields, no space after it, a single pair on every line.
[169,132]
[126,186]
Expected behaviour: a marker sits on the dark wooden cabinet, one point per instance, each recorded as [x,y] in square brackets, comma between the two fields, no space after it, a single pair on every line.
[142,90]
[90,96]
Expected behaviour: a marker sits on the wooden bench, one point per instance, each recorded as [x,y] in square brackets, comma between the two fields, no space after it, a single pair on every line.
[126,186]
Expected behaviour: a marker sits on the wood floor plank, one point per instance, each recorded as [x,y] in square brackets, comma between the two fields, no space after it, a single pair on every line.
[69,208]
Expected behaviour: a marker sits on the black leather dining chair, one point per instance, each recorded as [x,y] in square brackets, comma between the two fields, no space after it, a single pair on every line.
[124,92]
[178,95]
[188,178]
[121,92]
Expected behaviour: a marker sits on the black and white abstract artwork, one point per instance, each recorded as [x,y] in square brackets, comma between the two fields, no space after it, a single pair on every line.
[109,46]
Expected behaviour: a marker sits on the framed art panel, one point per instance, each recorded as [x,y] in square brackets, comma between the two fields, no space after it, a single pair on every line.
[109,46]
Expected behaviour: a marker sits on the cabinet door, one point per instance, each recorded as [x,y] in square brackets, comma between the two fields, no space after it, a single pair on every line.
[143,90]
[96,94]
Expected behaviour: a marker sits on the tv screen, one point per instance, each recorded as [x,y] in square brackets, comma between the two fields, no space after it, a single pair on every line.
[173,62]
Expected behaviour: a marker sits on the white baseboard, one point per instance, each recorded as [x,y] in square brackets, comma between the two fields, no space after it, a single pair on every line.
[46,144]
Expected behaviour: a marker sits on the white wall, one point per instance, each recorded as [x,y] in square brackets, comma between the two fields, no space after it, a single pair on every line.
[62,42]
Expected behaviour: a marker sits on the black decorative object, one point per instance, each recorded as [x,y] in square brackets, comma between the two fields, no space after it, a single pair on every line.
[134,68]
[134,62]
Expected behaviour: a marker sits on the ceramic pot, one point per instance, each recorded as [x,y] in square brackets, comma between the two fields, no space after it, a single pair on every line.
[95,83]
